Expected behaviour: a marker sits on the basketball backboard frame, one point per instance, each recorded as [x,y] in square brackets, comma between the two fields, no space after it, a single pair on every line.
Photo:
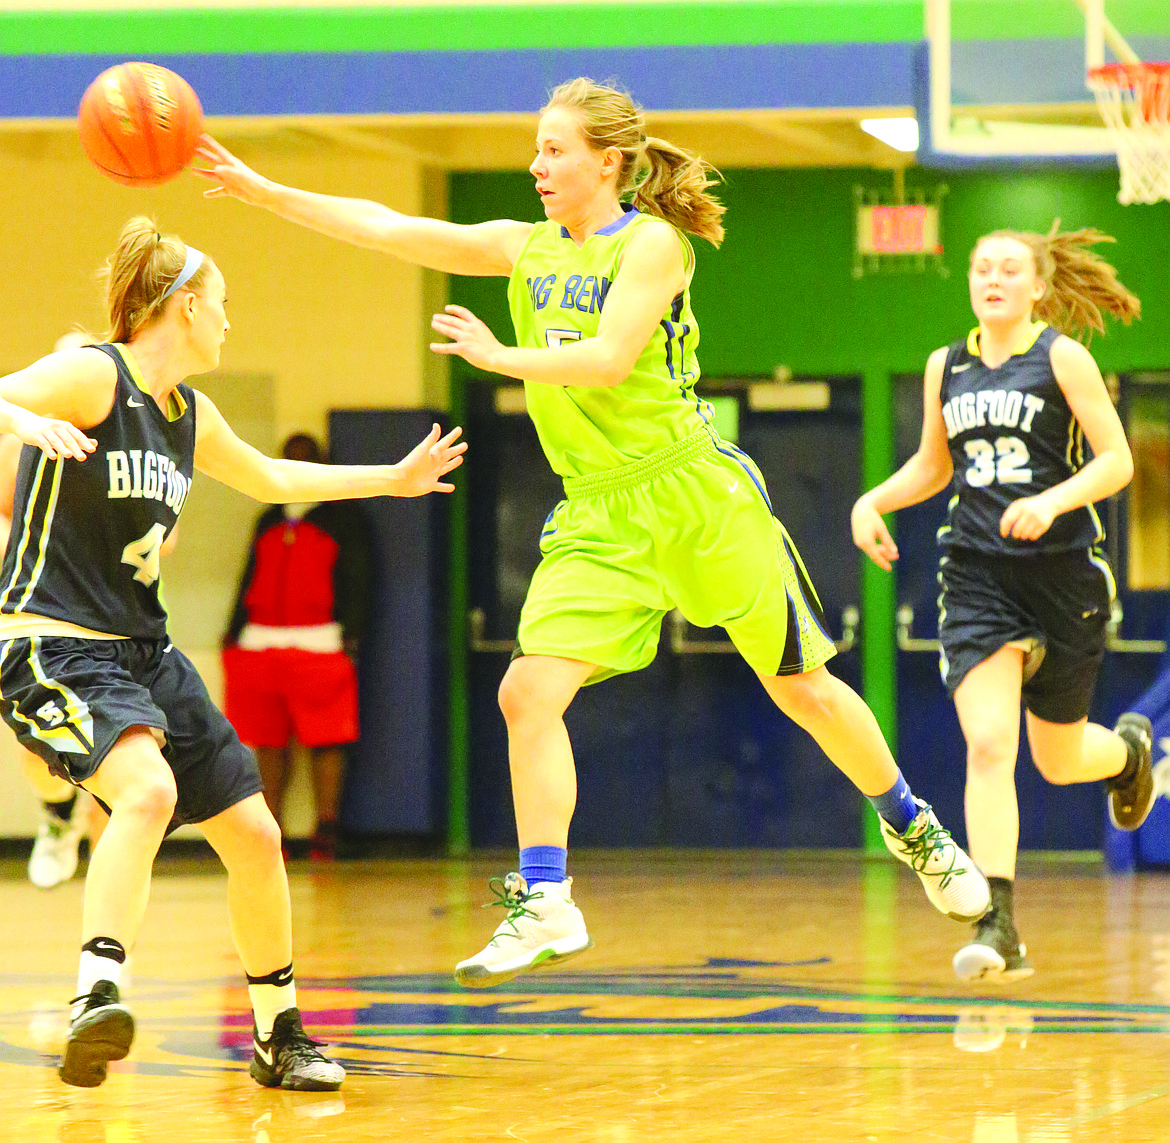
[962,139]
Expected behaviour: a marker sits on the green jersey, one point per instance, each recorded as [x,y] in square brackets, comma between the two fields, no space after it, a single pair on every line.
[556,293]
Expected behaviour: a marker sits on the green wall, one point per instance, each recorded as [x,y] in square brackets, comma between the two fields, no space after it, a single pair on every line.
[781,290]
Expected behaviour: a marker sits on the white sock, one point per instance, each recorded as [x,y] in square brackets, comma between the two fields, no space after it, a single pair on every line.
[268,1002]
[91,969]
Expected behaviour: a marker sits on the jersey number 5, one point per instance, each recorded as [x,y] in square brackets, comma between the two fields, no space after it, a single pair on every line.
[554,338]
[1007,462]
[143,554]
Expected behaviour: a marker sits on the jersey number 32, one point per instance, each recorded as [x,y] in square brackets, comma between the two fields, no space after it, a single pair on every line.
[1006,462]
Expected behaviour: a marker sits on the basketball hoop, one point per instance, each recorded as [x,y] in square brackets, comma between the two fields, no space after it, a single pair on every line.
[1134,100]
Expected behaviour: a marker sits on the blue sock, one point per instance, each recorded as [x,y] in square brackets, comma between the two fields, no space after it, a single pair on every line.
[896,806]
[543,863]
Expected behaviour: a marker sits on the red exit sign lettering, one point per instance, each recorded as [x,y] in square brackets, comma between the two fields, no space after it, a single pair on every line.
[907,229]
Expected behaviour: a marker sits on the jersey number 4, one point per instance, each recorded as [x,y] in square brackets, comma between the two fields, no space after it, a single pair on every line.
[1006,462]
[143,554]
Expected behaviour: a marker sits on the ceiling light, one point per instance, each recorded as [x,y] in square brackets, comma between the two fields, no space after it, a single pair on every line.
[901,132]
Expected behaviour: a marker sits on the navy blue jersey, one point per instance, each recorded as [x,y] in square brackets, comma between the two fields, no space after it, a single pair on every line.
[85,540]
[1011,435]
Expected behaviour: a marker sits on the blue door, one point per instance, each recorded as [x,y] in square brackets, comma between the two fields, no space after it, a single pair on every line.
[1138,523]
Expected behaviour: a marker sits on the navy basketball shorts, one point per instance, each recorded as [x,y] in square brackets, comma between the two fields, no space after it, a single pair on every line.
[69,700]
[1056,602]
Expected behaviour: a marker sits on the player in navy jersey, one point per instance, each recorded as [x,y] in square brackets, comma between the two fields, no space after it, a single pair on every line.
[1025,588]
[89,680]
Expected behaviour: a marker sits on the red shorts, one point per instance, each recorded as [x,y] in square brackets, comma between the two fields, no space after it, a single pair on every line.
[281,693]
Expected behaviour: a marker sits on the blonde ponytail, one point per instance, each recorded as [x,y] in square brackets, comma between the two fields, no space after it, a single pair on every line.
[675,188]
[137,275]
[1078,283]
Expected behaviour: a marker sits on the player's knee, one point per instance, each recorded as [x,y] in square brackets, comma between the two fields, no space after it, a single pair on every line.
[254,849]
[989,753]
[509,697]
[517,696]
[153,796]
[1058,770]
[808,699]
[263,835]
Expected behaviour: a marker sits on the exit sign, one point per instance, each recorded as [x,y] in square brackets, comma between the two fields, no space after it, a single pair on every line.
[909,228]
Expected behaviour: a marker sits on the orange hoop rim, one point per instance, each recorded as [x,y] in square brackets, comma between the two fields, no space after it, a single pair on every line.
[1128,74]
[1134,101]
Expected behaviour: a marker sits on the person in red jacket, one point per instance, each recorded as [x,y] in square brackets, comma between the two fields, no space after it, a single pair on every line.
[291,648]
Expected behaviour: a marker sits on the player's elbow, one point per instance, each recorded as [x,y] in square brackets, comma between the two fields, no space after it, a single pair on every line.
[1124,468]
[940,478]
[934,471]
[613,367]
[266,482]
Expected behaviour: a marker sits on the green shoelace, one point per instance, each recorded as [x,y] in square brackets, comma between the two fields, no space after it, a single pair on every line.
[515,902]
[920,849]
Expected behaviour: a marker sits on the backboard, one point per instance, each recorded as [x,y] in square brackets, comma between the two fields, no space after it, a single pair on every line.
[1004,81]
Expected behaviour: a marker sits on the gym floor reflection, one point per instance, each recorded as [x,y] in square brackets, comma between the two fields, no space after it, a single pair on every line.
[747,996]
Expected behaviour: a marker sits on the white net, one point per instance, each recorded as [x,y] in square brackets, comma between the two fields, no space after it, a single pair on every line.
[1134,100]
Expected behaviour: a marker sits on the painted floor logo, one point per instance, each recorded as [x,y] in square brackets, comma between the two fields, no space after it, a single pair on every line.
[365,1019]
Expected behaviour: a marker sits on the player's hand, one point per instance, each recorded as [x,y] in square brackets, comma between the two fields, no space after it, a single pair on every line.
[419,472]
[1027,519]
[53,438]
[231,176]
[470,338]
[872,536]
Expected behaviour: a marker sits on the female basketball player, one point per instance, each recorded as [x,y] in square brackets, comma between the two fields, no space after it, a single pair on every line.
[1025,588]
[659,511]
[89,680]
[66,812]
[64,808]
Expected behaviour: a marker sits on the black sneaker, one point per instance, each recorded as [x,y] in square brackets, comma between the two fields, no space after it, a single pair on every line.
[996,952]
[289,1059]
[103,1031]
[1132,793]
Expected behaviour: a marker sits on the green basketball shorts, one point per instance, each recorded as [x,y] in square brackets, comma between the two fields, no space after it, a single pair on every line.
[689,527]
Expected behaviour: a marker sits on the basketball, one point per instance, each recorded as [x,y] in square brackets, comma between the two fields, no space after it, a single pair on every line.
[139,123]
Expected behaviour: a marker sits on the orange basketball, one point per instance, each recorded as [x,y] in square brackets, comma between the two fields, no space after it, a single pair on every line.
[139,123]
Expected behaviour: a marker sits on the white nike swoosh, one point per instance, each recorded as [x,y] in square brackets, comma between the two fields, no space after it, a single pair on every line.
[264,1053]
[168,648]
[733,487]
[134,404]
[960,368]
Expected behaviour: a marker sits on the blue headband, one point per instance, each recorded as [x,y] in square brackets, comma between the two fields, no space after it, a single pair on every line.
[193,262]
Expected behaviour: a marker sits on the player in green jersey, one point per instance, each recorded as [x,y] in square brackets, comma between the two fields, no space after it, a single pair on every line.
[660,512]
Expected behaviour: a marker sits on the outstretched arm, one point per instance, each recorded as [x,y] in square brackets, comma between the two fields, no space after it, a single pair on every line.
[928,471]
[51,402]
[651,275]
[483,249]
[224,457]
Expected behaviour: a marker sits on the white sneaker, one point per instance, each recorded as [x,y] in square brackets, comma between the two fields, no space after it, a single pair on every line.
[542,927]
[953,882]
[54,853]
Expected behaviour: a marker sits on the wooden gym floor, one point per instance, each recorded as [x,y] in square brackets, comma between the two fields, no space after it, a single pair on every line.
[730,996]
